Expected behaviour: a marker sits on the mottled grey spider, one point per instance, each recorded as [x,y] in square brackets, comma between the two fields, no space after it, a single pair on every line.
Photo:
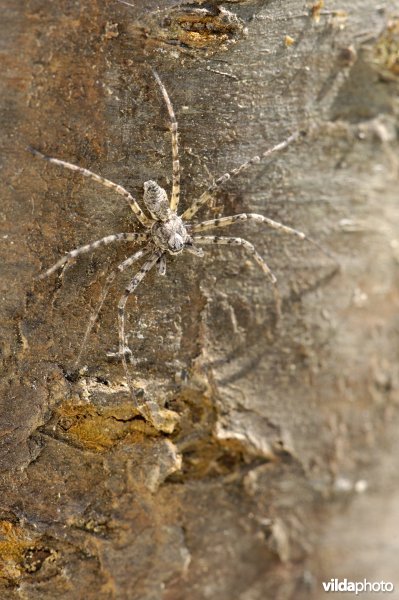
[166,233]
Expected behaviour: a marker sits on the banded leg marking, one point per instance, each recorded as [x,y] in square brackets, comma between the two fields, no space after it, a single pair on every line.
[233,241]
[93,317]
[161,264]
[122,304]
[160,418]
[109,239]
[175,197]
[144,220]
[224,221]
[236,241]
[207,195]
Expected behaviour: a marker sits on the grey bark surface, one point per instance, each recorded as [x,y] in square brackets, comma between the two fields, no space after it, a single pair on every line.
[283,469]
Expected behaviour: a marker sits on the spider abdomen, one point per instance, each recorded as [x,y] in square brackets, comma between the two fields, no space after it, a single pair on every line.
[156,200]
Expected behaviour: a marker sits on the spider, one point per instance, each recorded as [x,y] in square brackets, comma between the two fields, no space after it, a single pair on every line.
[166,233]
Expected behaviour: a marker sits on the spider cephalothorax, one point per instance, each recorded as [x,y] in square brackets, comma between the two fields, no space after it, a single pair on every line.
[166,232]
[172,236]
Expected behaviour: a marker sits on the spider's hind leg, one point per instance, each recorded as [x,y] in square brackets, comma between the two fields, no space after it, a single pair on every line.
[175,197]
[109,239]
[141,216]
[208,194]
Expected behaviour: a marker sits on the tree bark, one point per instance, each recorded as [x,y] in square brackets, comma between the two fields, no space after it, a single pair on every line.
[281,471]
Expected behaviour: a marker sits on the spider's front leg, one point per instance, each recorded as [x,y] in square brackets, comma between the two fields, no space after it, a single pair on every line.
[225,221]
[162,419]
[216,240]
[161,264]
[122,302]
[110,278]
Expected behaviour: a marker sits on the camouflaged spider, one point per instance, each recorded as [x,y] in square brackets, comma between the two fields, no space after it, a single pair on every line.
[166,232]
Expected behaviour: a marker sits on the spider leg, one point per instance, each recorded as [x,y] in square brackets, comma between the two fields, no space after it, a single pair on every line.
[109,239]
[235,241]
[161,264]
[147,266]
[224,221]
[217,240]
[207,195]
[144,220]
[161,418]
[174,200]
[93,317]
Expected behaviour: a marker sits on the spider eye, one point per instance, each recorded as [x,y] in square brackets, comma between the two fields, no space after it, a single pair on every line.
[176,243]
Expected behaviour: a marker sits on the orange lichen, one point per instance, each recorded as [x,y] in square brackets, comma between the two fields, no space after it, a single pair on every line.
[386,51]
[315,10]
[19,552]
[202,28]
[99,430]
[193,27]
[13,543]
[289,41]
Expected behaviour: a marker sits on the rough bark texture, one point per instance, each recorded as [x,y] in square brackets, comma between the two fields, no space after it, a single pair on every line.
[283,469]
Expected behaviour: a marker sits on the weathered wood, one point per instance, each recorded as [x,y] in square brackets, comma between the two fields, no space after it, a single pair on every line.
[287,427]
